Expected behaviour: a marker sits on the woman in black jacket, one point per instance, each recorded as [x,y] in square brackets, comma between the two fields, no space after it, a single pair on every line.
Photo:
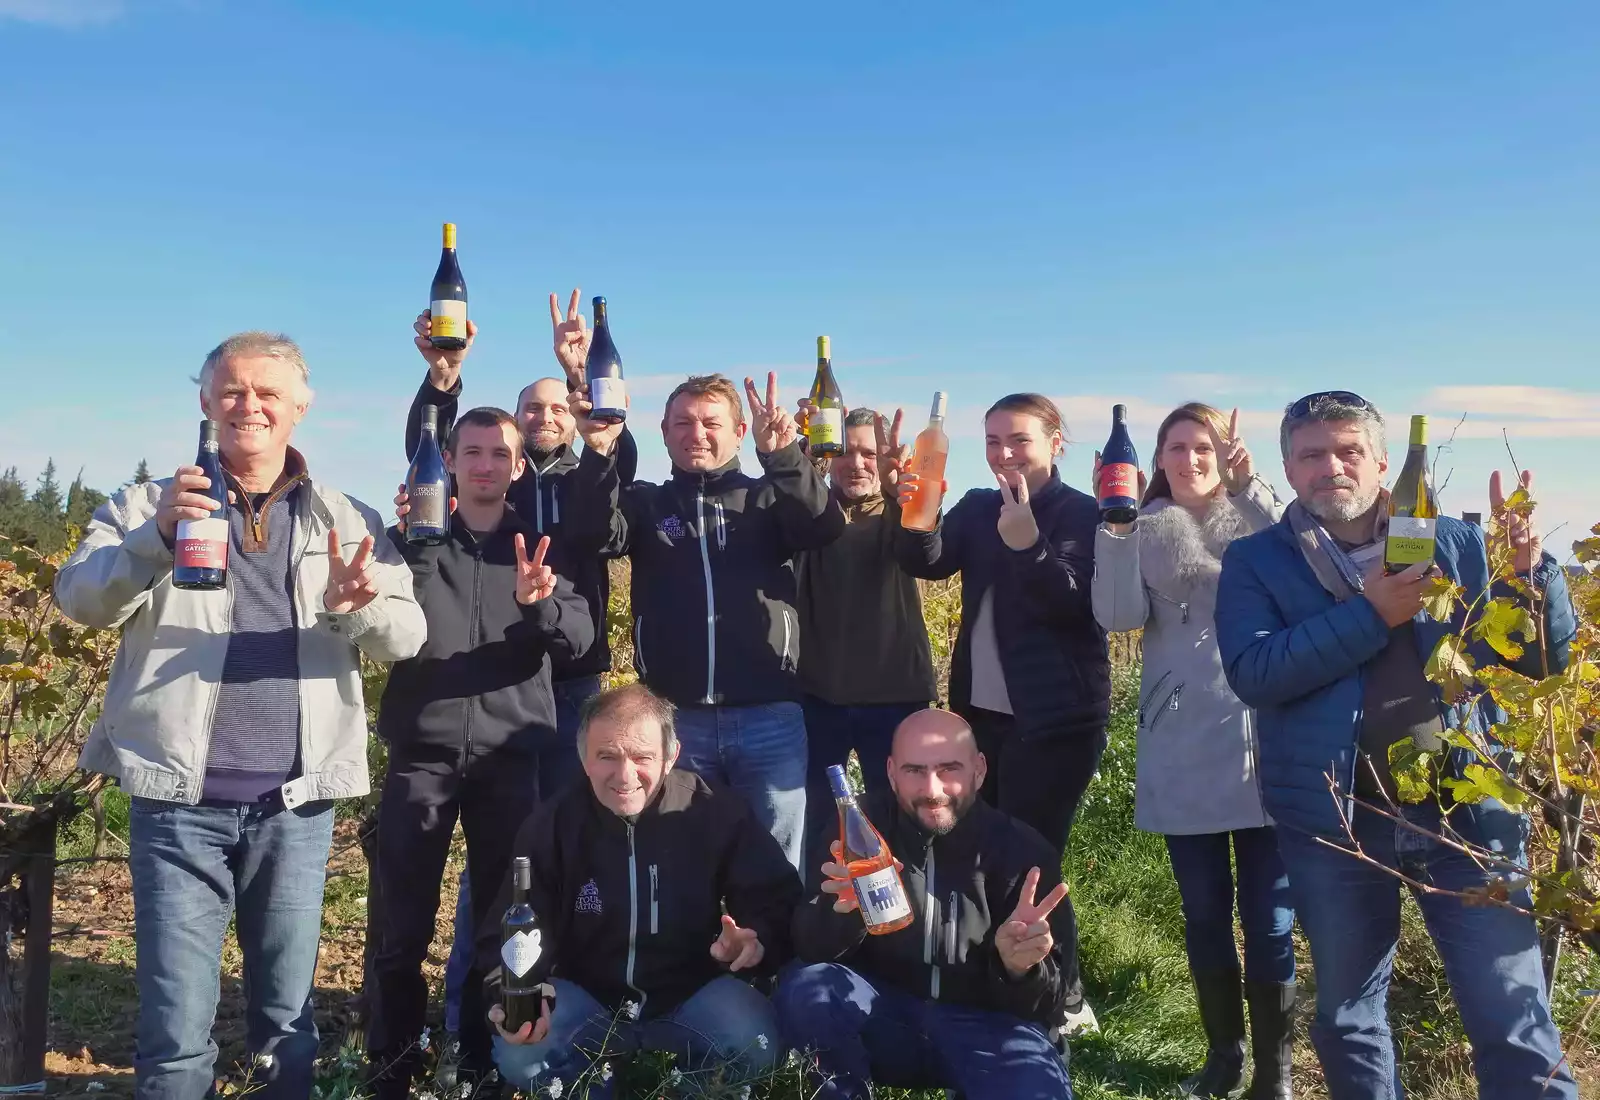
[1030,672]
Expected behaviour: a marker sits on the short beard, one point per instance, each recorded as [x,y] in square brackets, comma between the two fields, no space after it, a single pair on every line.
[847,493]
[1342,509]
[958,809]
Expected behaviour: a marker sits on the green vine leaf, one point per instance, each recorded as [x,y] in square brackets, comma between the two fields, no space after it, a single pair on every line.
[1411,769]
[1439,597]
[1500,619]
[1450,666]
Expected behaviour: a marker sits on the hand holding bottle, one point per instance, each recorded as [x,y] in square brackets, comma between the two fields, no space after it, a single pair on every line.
[1527,545]
[402,507]
[535,580]
[1018,529]
[351,585]
[1397,597]
[737,948]
[572,336]
[528,1033]
[836,881]
[1094,478]
[597,435]
[444,367]
[771,425]
[1025,938]
[183,499]
[1234,465]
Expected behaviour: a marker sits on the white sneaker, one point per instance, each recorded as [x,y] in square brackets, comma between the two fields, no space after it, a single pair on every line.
[1079,1021]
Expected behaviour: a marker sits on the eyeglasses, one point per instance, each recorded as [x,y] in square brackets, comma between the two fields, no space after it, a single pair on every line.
[1303,406]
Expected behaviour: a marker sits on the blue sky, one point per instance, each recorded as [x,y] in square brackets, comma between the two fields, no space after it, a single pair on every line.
[1149,203]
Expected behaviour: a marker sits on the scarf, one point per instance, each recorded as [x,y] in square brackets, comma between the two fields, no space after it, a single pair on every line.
[1335,570]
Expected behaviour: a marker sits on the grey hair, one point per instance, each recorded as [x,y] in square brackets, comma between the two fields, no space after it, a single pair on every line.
[1328,409]
[262,345]
[629,703]
[861,418]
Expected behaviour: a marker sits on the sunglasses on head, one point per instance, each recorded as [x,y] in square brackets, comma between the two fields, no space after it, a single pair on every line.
[1303,406]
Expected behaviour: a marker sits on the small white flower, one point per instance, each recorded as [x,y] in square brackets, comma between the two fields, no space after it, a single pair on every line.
[605,1071]
[265,1061]
[95,1086]
[793,1059]
[422,1043]
[554,1088]
[761,1040]
[744,1093]
[630,1009]
[675,1076]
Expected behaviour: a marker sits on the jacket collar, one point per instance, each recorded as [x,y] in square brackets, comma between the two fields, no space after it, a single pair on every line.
[673,795]
[511,523]
[855,510]
[960,841]
[711,479]
[1051,489]
[562,459]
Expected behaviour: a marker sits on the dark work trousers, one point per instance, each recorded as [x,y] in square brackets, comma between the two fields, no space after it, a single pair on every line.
[1039,782]
[424,792]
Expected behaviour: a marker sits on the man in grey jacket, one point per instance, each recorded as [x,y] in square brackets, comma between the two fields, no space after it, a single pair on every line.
[234,717]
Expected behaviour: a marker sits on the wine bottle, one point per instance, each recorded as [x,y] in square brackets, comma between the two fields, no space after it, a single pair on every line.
[825,422]
[1118,489]
[607,391]
[447,301]
[200,550]
[1413,509]
[880,894]
[928,455]
[520,948]
[428,487]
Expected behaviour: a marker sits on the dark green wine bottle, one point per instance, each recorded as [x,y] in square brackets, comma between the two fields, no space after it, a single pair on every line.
[825,423]
[447,301]
[603,369]
[520,948]
[428,487]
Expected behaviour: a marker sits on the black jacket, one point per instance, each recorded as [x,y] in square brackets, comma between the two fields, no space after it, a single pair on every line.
[481,681]
[629,910]
[962,886]
[542,495]
[1053,652]
[713,587]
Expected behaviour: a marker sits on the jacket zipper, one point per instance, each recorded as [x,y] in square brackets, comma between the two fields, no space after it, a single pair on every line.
[655,907]
[930,916]
[273,497]
[1168,706]
[1144,704]
[538,496]
[784,662]
[638,645]
[633,916]
[1181,605]
[722,526]
[475,624]
[711,600]
[950,923]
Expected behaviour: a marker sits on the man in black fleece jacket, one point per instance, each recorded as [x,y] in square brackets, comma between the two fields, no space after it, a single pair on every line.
[656,897]
[464,720]
[962,997]
[714,622]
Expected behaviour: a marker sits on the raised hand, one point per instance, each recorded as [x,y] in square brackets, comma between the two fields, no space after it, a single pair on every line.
[444,367]
[1234,464]
[572,335]
[1094,480]
[836,881]
[351,585]
[1017,527]
[596,435]
[1516,520]
[892,455]
[528,1033]
[770,423]
[737,948]
[1025,939]
[402,507]
[535,580]
[182,499]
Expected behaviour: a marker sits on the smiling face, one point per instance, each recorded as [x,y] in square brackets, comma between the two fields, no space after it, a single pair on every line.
[1189,459]
[625,761]
[1019,443]
[546,421]
[486,460]
[1335,469]
[256,402]
[702,432]
[935,769]
[855,473]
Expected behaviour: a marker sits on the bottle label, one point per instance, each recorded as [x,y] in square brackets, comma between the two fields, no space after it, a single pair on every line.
[201,544]
[449,318]
[428,505]
[1119,479]
[608,393]
[521,951]
[881,897]
[825,428]
[1410,540]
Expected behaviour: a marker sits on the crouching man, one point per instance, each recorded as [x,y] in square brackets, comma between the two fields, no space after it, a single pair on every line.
[963,996]
[658,897]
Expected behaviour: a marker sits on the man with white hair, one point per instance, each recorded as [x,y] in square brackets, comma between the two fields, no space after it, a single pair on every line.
[1330,649]
[234,717]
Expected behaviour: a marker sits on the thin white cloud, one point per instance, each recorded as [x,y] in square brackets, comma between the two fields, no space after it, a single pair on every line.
[65,14]
[1528,412]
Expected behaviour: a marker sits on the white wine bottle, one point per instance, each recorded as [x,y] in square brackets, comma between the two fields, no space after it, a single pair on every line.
[825,425]
[447,298]
[1413,509]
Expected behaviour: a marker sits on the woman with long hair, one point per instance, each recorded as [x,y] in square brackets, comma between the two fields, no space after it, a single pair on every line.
[1196,778]
[1030,672]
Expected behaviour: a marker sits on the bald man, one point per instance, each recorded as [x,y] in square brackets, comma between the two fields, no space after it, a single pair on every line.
[963,998]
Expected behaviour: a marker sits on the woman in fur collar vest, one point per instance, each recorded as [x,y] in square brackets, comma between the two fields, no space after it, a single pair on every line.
[1197,752]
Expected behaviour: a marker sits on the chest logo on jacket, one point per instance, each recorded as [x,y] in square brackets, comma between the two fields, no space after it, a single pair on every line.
[673,527]
[588,899]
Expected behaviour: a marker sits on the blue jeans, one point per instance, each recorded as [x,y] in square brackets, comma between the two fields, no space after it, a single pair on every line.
[759,751]
[559,764]
[860,1033]
[1350,912]
[194,867]
[831,732]
[1206,884]
[725,1034]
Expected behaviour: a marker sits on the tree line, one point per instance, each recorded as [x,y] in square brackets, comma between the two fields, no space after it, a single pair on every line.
[45,516]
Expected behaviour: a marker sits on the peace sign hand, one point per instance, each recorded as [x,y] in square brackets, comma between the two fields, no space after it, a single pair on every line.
[351,585]
[1017,527]
[1025,939]
[572,336]
[1234,464]
[892,456]
[772,426]
[1515,516]
[535,580]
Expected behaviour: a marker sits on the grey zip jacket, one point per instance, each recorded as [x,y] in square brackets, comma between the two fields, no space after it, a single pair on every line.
[1197,757]
[154,731]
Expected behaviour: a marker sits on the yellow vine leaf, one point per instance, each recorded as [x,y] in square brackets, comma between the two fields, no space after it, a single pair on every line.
[1411,769]
[1450,666]
[1480,781]
[1499,620]
[1439,596]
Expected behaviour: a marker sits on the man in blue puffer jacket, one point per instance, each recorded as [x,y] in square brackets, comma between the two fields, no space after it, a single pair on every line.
[1330,651]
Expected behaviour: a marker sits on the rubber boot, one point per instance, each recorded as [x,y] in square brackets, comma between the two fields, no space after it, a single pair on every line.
[1222,1013]
[1271,1039]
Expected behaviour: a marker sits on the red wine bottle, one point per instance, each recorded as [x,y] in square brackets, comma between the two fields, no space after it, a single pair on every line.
[520,948]
[200,550]
[428,487]
[1118,488]
[603,369]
